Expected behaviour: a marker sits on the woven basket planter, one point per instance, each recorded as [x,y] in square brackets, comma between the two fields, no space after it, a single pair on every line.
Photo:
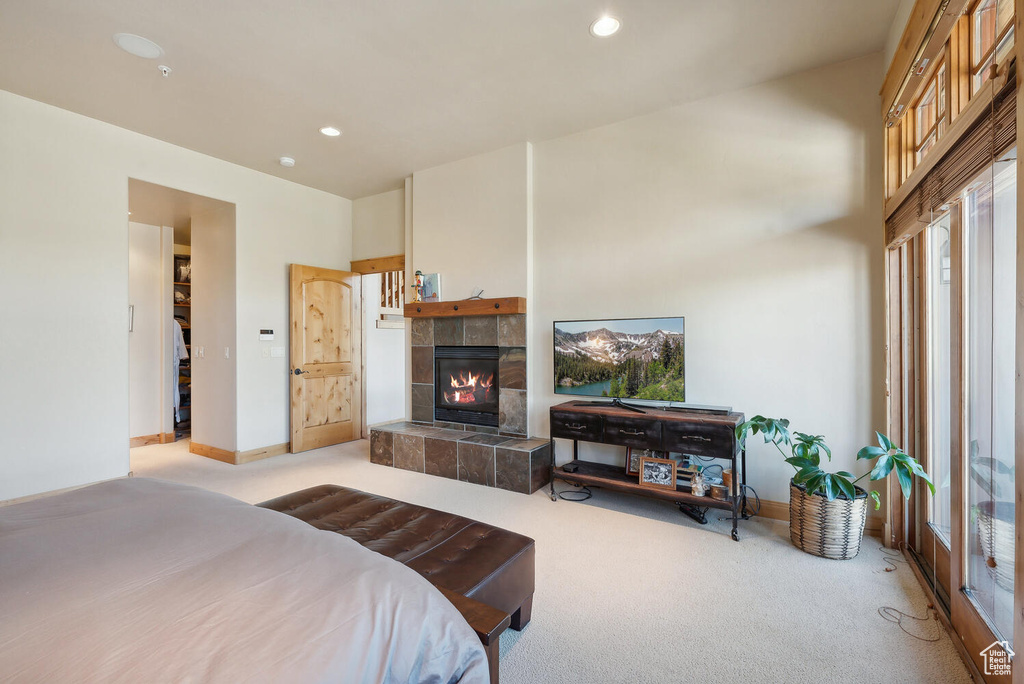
[830,529]
[995,532]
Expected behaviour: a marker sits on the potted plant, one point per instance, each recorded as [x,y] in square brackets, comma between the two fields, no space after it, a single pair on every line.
[994,517]
[827,510]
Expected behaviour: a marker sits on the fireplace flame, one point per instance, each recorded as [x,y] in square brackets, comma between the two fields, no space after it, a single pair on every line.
[469,388]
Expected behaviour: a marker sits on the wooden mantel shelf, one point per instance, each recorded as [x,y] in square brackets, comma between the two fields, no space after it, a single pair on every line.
[467,307]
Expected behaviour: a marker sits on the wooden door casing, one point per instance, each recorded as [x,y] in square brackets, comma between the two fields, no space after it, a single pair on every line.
[326,357]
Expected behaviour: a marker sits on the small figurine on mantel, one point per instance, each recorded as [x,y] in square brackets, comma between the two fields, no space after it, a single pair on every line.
[418,287]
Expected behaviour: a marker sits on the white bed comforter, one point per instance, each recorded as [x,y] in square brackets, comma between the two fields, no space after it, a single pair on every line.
[141,580]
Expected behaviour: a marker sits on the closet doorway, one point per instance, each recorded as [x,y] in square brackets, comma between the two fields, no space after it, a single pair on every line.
[182,309]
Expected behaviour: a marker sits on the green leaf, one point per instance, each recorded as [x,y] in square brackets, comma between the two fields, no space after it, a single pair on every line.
[906,479]
[845,474]
[882,468]
[815,483]
[801,463]
[931,485]
[806,474]
[874,495]
[883,441]
[846,487]
[913,465]
[870,452]
[830,488]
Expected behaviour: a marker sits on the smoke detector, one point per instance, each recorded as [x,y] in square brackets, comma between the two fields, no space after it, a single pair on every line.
[286,161]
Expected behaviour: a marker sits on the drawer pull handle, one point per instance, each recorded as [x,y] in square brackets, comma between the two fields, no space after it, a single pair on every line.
[634,433]
[695,438]
[575,426]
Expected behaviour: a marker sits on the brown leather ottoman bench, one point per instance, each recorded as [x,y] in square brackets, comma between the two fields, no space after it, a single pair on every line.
[468,558]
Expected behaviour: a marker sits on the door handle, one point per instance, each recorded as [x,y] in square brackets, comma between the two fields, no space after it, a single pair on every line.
[633,433]
[299,371]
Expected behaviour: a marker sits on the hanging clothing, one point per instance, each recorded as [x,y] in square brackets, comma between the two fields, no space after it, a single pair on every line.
[180,354]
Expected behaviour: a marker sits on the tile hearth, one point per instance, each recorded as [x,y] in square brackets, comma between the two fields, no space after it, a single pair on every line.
[507,462]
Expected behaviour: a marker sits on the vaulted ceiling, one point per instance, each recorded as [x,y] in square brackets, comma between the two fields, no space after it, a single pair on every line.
[411,83]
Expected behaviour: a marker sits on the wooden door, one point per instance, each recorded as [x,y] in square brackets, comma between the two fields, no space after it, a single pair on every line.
[326,357]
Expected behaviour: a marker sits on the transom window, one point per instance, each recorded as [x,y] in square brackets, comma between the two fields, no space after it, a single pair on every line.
[991,37]
[930,113]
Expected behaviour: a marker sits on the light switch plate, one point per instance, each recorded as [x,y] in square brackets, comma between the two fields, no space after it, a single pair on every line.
[277,352]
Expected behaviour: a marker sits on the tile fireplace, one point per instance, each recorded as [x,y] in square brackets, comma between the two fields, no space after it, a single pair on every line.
[500,340]
[469,409]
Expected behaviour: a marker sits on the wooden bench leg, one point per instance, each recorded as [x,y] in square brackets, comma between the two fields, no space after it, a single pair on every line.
[521,617]
[492,660]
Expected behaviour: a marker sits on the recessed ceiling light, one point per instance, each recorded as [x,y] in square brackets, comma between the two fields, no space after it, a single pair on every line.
[138,46]
[605,26]
[330,131]
[287,161]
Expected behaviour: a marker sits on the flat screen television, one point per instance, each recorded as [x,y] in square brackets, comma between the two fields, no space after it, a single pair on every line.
[627,358]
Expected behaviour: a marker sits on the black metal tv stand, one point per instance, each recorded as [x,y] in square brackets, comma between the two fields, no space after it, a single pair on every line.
[614,402]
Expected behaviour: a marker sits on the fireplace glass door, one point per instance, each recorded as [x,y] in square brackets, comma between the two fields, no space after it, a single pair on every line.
[466,385]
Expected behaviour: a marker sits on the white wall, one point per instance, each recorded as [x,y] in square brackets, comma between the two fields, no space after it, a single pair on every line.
[757,216]
[149,258]
[384,353]
[378,225]
[64,234]
[470,223]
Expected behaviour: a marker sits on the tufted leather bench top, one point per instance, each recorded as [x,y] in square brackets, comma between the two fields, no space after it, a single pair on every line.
[471,558]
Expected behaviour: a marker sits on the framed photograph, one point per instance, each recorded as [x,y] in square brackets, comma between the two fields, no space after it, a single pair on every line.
[431,287]
[658,472]
[633,457]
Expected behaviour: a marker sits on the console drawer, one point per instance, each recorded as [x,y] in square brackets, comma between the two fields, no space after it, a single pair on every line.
[631,432]
[716,441]
[570,425]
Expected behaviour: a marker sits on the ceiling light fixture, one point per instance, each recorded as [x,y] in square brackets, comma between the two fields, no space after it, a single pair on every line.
[287,161]
[330,131]
[605,26]
[138,46]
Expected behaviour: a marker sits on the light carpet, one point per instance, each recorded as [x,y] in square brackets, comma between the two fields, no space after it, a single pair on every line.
[631,590]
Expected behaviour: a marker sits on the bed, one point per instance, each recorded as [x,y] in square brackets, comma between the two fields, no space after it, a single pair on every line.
[143,580]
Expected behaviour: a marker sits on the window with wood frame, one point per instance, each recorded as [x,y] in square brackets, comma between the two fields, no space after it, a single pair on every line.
[952,291]
[930,113]
[991,38]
